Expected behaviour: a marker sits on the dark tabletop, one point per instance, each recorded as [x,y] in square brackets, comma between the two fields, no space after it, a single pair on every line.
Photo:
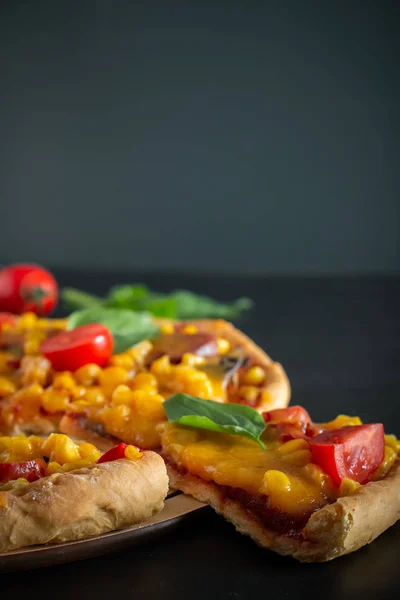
[338,339]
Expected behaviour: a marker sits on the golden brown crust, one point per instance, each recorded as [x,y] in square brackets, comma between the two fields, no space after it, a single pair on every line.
[277,384]
[335,530]
[83,503]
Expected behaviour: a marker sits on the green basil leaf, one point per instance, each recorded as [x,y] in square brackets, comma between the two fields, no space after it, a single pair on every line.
[193,306]
[235,419]
[180,304]
[76,299]
[134,297]
[127,327]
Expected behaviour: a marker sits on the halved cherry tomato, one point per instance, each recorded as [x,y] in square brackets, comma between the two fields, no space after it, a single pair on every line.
[25,287]
[292,414]
[114,453]
[29,469]
[7,318]
[69,350]
[355,451]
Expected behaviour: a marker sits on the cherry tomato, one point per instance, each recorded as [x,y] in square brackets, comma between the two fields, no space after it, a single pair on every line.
[29,469]
[69,350]
[114,453]
[26,288]
[355,451]
[292,414]
[7,318]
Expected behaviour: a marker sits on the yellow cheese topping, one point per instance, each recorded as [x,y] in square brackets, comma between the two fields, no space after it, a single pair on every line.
[283,471]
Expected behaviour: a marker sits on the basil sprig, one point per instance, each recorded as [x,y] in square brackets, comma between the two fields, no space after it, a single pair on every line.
[179,304]
[127,327]
[235,419]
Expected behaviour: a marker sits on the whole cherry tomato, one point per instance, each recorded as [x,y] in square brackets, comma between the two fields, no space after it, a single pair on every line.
[355,451]
[28,469]
[25,287]
[70,350]
[7,318]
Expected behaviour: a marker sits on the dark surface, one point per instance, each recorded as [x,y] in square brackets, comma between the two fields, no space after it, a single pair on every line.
[276,120]
[339,341]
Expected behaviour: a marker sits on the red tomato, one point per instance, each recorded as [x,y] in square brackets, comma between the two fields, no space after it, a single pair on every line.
[26,288]
[292,414]
[7,318]
[69,350]
[114,453]
[29,469]
[355,451]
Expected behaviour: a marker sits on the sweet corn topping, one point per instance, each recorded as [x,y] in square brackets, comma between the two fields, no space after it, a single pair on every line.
[60,450]
[31,390]
[254,376]
[190,329]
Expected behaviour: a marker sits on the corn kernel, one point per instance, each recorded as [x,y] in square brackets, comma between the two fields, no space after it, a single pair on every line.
[54,467]
[60,448]
[86,449]
[144,381]
[254,376]
[123,360]
[167,328]
[140,351]
[293,446]
[249,393]
[63,381]
[316,474]
[35,369]
[82,462]
[299,458]
[14,484]
[132,453]
[189,329]
[95,395]
[342,421]
[161,366]
[389,458]
[27,321]
[111,377]
[78,391]
[275,481]
[54,400]
[223,346]
[88,374]
[192,359]
[6,387]
[31,346]
[121,395]
[392,441]
[348,486]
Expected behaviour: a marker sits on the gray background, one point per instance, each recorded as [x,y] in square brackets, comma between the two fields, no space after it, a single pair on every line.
[240,136]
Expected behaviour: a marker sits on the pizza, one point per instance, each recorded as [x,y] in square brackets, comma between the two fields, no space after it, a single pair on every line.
[54,489]
[311,491]
[195,401]
[49,383]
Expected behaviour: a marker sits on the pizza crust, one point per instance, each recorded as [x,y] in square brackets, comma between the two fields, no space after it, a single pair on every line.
[277,383]
[83,503]
[337,529]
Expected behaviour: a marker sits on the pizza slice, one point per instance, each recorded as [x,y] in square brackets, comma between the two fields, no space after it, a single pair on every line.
[55,490]
[312,491]
[50,380]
